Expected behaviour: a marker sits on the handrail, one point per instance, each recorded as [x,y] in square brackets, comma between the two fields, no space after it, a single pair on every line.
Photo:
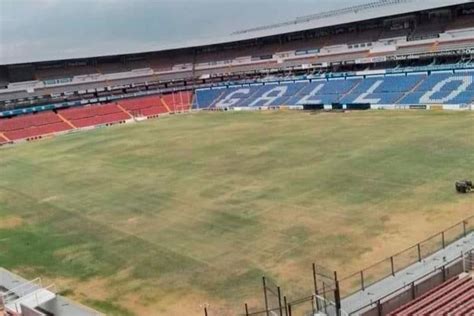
[453,261]
[15,290]
[49,289]
[465,232]
[408,248]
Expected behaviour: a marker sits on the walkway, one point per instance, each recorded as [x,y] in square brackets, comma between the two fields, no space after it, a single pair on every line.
[408,275]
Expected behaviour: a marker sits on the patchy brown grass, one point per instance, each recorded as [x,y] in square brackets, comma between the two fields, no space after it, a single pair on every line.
[165,216]
[10,222]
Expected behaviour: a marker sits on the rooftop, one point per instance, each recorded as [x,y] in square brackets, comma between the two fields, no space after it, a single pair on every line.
[368,11]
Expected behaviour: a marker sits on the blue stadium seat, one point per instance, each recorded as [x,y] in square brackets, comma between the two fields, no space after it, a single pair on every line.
[373,98]
[442,88]
[389,84]
[324,92]
[275,95]
[205,98]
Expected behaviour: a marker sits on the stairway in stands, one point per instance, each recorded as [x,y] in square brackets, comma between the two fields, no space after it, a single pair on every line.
[32,126]
[94,115]
[178,102]
[36,126]
[149,106]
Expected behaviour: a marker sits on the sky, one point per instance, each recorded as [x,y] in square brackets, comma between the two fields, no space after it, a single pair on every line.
[33,30]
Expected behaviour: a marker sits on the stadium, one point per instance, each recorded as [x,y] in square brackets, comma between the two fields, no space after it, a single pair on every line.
[301,168]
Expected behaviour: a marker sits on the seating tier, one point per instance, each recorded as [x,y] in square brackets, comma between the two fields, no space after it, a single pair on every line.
[100,119]
[2,140]
[27,121]
[36,131]
[448,298]
[140,103]
[89,111]
[437,88]
[180,101]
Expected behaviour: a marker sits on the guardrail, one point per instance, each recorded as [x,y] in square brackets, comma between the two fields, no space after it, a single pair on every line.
[410,286]
[328,290]
[390,266]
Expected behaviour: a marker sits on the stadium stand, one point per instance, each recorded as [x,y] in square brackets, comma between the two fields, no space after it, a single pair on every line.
[325,92]
[412,88]
[453,297]
[421,34]
[94,115]
[34,125]
[143,106]
[328,46]
[3,140]
[111,68]
[178,102]
[443,88]
[207,98]
[52,72]
[397,30]
[460,22]
[388,90]
[51,121]
[428,30]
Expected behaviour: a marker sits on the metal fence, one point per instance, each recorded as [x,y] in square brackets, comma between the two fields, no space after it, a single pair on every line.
[401,296]
[326,294]
[390,266]
[324,297]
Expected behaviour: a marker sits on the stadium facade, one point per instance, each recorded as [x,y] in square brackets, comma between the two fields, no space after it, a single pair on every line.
[357,38]
[419,55]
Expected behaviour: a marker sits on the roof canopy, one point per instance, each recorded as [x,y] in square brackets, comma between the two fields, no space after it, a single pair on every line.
[371,10]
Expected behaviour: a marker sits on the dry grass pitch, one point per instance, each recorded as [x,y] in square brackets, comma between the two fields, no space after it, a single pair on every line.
[159,217]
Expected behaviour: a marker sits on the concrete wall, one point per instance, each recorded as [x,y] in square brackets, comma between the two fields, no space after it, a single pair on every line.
[61,306]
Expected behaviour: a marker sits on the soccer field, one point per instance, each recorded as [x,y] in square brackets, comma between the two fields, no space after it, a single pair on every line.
[160,217]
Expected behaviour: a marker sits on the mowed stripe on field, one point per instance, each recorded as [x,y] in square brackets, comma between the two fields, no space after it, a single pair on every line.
[195,209]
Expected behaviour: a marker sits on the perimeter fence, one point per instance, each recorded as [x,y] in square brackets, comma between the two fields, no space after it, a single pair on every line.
[390,266]
[328,290]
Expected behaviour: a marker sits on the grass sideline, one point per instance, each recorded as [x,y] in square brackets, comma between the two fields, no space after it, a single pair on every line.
[163,216]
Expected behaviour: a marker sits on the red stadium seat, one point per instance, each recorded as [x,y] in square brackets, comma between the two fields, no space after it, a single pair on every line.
[461,300]
[446,299]
[101,119]
[465,309]
[89,111]
[407,307]
[440,300]
[140,103]
[144,106]
[26,121]
[36,131]
[177,102]
[33,125]
[94,115]
[153,111]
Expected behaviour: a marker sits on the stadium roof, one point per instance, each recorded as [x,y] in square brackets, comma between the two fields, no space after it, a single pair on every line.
[372,10]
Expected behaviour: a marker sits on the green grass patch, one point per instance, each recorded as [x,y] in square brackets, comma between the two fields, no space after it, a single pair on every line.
[205,204]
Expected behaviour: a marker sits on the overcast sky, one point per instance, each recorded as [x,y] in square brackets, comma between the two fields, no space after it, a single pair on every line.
[48,29]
